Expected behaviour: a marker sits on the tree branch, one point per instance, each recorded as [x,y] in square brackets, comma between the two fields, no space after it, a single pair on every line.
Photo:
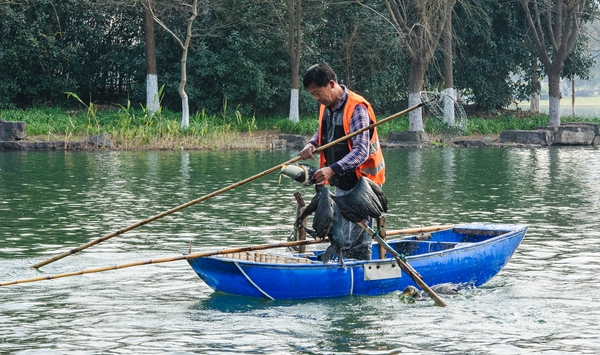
[161,24]
[536,32]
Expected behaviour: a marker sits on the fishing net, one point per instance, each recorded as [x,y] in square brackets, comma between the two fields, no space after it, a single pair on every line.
[447,111]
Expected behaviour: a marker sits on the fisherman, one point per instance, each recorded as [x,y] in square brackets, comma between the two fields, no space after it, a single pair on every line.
[343,112]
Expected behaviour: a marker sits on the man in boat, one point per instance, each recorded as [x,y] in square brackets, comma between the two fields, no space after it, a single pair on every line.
[343,112]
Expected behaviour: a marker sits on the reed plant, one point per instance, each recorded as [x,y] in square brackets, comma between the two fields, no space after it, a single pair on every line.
[136,128]
[91,114]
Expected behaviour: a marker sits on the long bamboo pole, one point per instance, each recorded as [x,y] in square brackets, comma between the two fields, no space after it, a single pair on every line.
[168,259]
[207,253]
[218,192]
[414,275]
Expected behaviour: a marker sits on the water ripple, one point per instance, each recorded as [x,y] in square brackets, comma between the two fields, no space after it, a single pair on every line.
[543,301]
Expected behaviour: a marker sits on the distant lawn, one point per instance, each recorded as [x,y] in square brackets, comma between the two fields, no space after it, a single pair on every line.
[585,107]
[584,101]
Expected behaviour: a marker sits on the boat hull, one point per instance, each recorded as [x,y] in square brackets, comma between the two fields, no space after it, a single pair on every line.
[467,254]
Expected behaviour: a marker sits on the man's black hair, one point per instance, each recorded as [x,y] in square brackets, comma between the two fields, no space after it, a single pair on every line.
[319,75]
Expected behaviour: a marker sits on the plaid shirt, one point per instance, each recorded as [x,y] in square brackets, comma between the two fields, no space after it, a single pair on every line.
[360,143]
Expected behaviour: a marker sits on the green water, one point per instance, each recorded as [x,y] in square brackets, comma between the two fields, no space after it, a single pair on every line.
[543,302]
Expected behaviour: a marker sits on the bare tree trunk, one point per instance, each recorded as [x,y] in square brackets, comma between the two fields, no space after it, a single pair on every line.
[419,25]
[348,44]
[534,100]
[554,41]
[449,96]
[294,46]
[415,86]
[152,99]
[185,109]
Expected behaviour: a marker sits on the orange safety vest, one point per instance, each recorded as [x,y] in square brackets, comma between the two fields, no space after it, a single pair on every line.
[374,166]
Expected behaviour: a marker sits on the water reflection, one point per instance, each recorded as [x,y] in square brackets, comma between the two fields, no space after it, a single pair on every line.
[542,302]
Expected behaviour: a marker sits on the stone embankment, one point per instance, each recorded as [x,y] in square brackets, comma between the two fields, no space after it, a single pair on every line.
[13,137]
[567,134]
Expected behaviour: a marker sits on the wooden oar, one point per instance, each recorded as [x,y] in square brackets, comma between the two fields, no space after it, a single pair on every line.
[414,275]
[169,259]
[218,192]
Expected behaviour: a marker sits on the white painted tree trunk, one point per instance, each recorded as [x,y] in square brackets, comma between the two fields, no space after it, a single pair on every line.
[555,95]
[534,103]
[449,99]
[554,111]
[534,99]
[294,108]
[573,96]
[152,100]
[185,111]
[415,117]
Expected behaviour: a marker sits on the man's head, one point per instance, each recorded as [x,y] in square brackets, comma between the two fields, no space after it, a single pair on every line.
[319,75]
[321,82]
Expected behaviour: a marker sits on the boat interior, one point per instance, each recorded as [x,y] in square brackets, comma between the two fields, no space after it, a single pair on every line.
[408,246]
[438,241]
[434,242]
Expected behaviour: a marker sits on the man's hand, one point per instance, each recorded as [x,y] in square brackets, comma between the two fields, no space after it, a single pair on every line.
[307,152]
[322,175]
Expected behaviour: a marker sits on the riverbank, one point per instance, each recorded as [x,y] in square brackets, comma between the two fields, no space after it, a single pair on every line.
[258,141]
[567,134]
[56,129]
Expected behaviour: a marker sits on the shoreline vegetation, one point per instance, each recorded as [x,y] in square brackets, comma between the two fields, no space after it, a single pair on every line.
[138,129]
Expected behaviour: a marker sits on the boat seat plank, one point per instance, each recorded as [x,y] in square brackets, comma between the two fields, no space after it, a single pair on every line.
[268,258]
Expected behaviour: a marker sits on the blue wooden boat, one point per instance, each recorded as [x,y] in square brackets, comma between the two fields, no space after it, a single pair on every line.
[464,254]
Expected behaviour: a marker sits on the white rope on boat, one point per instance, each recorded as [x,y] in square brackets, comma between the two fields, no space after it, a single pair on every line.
[351,281]
[252,282]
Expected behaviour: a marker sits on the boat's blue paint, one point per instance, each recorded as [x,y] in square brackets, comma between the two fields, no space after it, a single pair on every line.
[470,253]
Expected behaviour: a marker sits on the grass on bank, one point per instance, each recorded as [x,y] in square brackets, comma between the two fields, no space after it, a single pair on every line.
[131,128]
